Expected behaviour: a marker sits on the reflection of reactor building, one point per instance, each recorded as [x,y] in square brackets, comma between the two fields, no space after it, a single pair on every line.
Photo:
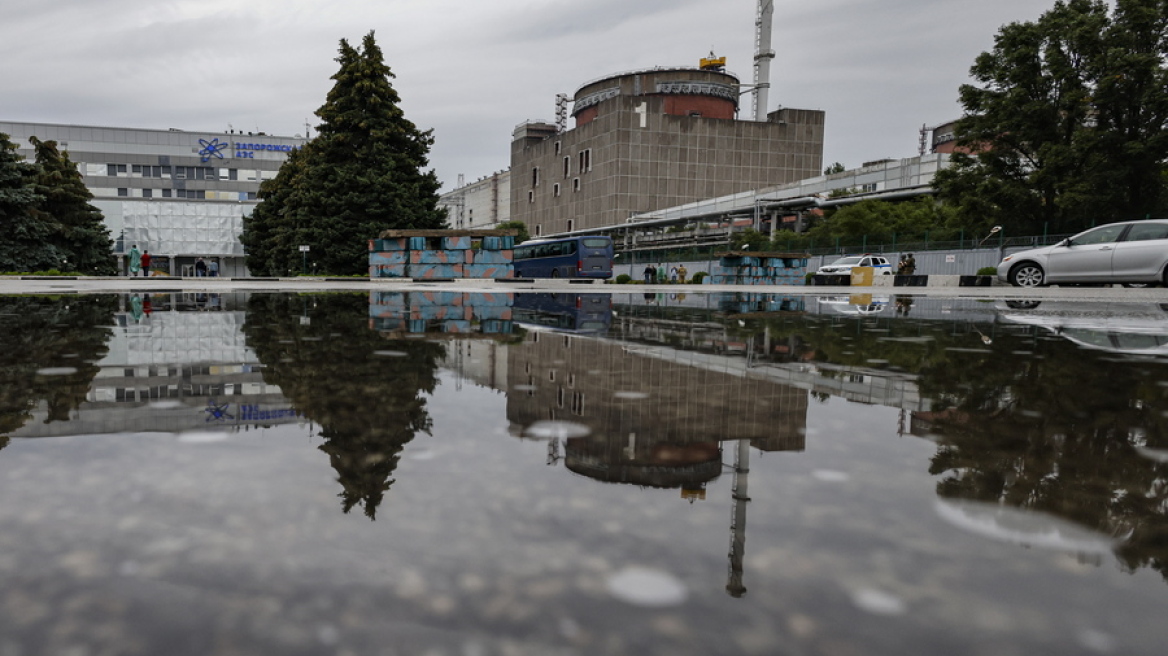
[652,421]
[652,139]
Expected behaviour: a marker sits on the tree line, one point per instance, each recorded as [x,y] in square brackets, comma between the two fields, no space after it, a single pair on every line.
[48,222]
[1064,127]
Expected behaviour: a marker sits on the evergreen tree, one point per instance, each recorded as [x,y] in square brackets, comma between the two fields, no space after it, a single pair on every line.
[268,240]
[27,241]
[64,206]
[1066,124]
[361,175]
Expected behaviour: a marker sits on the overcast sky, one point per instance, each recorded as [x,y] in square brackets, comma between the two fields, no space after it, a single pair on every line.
[472,70]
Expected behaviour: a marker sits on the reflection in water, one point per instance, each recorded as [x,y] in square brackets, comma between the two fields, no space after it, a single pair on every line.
[1030,438]
[1028,431]
[1022,419]
[51,345]
[321,352]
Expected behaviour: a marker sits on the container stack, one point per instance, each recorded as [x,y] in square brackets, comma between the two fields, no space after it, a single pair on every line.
[440,254]
[745,268]
[440,312]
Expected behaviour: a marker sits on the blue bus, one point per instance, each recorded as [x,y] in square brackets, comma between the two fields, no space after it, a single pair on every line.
[578,313]
[570,257]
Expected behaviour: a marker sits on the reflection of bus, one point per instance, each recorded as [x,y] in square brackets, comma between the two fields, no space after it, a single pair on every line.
[590,313]
[570,257]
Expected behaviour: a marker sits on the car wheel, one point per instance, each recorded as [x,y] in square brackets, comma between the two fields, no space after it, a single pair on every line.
[1027,274]
[1022,305]
[1138,285]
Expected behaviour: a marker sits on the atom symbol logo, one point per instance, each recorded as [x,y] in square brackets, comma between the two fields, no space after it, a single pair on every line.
[212,148]
[217,412]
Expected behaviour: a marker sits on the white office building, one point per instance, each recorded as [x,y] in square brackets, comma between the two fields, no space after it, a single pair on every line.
[179,195]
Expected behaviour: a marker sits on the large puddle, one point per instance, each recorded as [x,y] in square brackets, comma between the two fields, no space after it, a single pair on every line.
[480,474]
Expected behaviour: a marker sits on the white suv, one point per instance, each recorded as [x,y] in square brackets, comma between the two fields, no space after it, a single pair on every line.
[844,265]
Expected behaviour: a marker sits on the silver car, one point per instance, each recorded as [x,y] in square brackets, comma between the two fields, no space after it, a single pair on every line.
[1130,253]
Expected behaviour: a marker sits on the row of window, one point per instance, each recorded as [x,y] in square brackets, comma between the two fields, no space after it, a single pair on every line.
[189,194]
[180,172]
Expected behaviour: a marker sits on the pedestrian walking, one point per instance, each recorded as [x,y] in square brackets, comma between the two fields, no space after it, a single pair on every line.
[145,263]
[213,268]
[910,265]
[661,273]
[135,256]
[200,268]
[673,275]
[649,274]
[681,273]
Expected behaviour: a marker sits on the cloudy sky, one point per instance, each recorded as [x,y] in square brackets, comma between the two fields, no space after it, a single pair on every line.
[472,70]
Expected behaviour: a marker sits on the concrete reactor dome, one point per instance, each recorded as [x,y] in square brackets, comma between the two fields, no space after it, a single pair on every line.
[686,92]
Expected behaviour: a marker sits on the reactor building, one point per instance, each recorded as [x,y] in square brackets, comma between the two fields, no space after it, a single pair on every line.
[651,139]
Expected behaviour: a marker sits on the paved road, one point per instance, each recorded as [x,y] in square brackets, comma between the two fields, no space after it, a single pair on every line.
[47,285]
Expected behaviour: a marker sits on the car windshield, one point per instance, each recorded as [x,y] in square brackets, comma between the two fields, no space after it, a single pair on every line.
[845,261]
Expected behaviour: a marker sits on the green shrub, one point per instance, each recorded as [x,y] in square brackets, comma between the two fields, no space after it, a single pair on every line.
[697,277]
[623,279]
[987,271]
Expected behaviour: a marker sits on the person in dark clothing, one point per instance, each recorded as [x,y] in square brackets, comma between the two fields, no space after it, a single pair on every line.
[650,274]
[200,268]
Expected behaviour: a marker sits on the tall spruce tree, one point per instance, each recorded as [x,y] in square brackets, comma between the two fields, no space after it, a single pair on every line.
[1065,126]
[362,174]
[269,240]
[27,242]
[79,231]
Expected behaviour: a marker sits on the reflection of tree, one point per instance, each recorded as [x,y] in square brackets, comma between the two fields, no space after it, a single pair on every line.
[320,351]
[66,336]
[1057,431]
[1038,424]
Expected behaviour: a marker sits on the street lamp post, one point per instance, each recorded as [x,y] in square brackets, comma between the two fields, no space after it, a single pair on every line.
[304,260]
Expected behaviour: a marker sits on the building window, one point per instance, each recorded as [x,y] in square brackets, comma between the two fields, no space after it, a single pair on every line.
[531,196]
[232,174]
[567,167]
[585,160]
[535,176]
[556,189]
[166,193]
[558,144]
[122,191]
[147,193]
[115,169]
[576,184]
[571,223]
[538,231]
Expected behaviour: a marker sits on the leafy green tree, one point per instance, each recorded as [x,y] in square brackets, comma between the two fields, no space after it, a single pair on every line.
[362,174]
[80,233]
[875,221]
[1065,126]
[27,243]
[523,235]
[834,168]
